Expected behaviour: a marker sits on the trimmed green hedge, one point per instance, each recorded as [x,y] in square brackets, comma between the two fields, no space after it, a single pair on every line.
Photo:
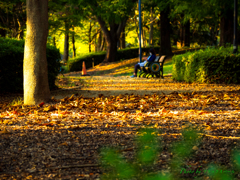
[75,64]
[11,69]
[211,65]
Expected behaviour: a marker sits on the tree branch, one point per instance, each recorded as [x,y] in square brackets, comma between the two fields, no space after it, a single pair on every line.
[103,26]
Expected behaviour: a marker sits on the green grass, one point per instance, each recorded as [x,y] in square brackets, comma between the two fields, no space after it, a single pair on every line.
[124,74]
[167,68]
[17,101]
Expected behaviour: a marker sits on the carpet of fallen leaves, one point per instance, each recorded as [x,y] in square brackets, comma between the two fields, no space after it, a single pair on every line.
[62,139]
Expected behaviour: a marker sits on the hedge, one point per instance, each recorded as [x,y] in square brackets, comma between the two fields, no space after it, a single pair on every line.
[75,64]
[11,69]
[210,65]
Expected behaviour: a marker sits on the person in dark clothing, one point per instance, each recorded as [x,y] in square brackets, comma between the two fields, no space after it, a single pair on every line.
[150,58]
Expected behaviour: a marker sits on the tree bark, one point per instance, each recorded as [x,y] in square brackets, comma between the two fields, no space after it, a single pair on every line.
[123,39]
[102,48]
[226,28]
[99,43]
[73,44]
[89,38]
[3,32]
[151,27]
[185,34]
[66,44]
[112,37]
[54,41]
[165,43]
[36,87]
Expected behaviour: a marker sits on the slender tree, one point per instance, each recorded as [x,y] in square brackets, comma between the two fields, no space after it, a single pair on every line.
[66,43]
[36,87]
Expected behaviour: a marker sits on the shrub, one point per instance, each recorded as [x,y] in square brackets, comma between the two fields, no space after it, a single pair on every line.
[148,150]
[144,166]
[11,69]
[75,64]
[211,65]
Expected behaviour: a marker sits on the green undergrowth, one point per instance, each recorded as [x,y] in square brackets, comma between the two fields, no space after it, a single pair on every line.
[144,166]
[17,101]
[210,65]
[11,69]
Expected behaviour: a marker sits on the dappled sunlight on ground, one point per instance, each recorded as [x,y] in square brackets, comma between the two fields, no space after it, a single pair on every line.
[92,86]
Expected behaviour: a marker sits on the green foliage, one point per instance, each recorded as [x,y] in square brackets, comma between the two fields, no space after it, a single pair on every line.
[146,156]
[75,64]
[116,166]
[11,69]
[17,101]
[212,65]
[116,10]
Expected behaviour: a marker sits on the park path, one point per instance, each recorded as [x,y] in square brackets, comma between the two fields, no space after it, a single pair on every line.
[62,139]
[110,80]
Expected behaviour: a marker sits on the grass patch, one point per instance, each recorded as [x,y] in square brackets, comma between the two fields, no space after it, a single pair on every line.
[167,68]
[17,101]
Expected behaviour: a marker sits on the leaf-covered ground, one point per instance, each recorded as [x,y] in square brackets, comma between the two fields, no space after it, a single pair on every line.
[62,139]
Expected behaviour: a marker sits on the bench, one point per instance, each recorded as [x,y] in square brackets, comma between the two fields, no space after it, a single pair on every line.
[153,69]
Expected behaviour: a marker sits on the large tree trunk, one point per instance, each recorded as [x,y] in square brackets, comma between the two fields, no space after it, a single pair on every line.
[111,49]
[165,43]
[226,28]
[66,44]
[36,87]
[112,37]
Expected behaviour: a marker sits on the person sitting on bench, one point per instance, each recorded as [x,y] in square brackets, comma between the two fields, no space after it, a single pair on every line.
[150,58]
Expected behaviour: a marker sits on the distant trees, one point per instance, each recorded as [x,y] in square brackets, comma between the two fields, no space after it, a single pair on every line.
[12,18]
[112,16]
[165,23]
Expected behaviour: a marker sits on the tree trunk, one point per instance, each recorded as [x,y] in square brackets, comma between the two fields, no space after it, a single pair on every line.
[3,32]
[89,38]
[102,48]
[112,37]
[165,43]
[151,27]
[36,87]
[226,28]
[66,44]
[99,42]
[143,37]
[143,32]
[73,45]
[214,33]
[54,41]
[187,33]
[111,49]
[123,39]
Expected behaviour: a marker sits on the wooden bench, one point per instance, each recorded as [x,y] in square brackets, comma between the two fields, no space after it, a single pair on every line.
[154,69]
